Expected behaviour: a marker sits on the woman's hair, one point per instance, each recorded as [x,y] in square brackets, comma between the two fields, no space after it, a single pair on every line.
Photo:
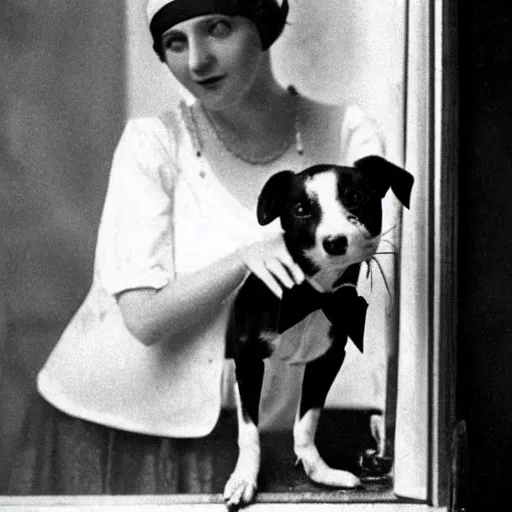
[267,15]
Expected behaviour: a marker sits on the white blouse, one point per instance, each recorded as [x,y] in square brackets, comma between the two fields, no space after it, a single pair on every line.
[166,214]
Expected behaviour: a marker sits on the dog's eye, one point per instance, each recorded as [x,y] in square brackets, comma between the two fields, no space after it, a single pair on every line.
[352,219]
[353,197]
[300,210]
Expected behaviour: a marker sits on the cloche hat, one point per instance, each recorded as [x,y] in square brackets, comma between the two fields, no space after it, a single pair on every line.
[268,16]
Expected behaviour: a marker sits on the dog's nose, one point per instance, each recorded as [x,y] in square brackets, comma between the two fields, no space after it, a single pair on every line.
[335,246]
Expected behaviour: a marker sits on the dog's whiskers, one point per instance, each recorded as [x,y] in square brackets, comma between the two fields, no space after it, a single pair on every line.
[383,274]
[384,233]
[369,273]
[393,245]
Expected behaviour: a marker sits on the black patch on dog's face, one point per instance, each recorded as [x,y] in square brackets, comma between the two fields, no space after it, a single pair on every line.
[361,199]
[299,220]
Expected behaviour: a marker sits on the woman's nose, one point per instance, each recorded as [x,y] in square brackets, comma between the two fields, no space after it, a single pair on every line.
[200,57]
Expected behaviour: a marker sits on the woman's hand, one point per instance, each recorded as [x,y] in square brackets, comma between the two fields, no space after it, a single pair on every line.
[270,260]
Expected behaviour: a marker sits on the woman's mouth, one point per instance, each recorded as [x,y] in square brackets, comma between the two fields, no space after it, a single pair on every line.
[211,82]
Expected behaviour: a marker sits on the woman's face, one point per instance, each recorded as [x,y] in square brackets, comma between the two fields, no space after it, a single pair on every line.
[216,57]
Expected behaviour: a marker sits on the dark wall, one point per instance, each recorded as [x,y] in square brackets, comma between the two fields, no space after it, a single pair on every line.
[485,242]
[61,113]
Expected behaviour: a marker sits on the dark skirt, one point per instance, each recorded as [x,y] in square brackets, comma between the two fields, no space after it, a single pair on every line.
[58,454]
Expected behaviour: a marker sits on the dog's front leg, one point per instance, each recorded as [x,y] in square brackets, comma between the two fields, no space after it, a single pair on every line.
[241,487]
[318,378]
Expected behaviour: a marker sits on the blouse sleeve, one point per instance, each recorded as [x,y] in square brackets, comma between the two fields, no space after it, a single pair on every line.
[360,136]
[135,238]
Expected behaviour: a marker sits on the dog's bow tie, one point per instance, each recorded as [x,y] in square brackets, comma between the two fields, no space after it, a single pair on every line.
[345,310]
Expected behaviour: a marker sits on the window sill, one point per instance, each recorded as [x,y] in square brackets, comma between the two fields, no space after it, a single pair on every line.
[266,502]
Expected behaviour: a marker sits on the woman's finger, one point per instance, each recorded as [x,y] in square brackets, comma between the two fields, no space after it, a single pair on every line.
[268,279]
[281,272]
[293,269]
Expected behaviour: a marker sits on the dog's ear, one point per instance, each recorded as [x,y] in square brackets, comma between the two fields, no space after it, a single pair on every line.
[388,175]
[273,196]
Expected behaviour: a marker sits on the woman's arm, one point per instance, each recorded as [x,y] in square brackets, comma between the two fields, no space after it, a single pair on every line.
[154,316]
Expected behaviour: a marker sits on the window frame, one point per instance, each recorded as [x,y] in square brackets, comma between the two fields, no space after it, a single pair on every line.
[443,208]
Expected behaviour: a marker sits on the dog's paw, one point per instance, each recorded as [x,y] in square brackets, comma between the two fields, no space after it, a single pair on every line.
[319,472]
[240,490]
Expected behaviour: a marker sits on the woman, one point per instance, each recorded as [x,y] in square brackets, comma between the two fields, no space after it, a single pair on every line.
[135,380]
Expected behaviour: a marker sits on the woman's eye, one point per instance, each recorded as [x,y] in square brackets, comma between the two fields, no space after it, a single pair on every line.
[220,28]
[175,44]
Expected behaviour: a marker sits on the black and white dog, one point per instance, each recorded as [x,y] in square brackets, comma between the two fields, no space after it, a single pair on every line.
[331,218]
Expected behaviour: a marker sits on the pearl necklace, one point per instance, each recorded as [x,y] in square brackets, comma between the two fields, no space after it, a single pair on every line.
[230,148]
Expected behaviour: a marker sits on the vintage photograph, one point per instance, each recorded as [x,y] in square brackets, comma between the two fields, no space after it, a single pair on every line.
[224,257]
